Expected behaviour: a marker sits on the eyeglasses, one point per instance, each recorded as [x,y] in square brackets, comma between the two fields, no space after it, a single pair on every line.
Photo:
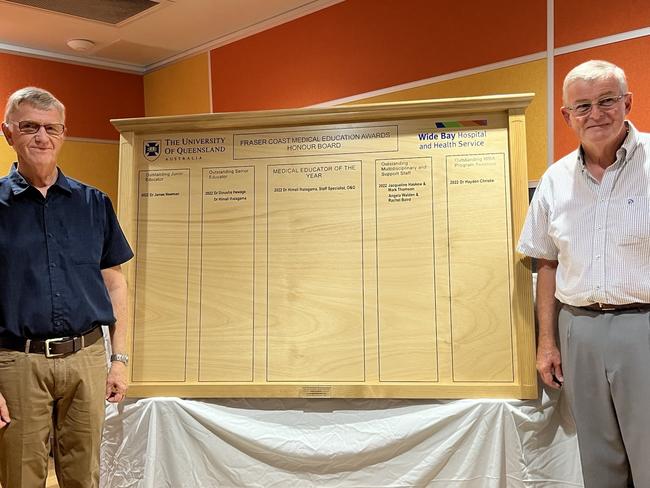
[605,103]
[31,127]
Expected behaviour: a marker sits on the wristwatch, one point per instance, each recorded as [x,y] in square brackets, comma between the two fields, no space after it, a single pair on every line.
[122,358]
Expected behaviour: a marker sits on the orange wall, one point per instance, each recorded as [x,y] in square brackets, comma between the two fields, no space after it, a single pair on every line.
[583,20]
[92,96]
[361,45]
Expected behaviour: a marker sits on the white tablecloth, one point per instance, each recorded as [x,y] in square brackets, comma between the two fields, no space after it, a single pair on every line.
[170,442]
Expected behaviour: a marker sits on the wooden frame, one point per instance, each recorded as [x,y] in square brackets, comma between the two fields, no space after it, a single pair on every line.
[355,251]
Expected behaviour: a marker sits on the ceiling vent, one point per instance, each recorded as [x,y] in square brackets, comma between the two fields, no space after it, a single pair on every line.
[110,12]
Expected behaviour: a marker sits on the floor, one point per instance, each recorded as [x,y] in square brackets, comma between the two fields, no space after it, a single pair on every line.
[51,477]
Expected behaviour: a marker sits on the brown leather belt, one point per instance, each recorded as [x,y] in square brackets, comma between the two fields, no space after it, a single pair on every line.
[53,347]
[627,307]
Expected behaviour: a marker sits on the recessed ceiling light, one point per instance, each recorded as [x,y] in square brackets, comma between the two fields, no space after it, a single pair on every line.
[80,44]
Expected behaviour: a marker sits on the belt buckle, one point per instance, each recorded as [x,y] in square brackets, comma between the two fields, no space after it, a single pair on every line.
[605,309]
[49,354]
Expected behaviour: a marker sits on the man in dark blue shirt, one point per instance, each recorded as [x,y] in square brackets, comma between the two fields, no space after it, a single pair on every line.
[61,248]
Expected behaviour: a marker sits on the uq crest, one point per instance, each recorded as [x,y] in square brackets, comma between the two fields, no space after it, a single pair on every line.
[151,150]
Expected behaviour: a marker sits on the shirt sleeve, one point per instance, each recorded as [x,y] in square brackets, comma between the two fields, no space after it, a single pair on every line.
[116,248]
[535,239]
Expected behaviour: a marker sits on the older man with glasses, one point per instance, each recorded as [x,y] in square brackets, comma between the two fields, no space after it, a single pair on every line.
[589,227]
[61,248]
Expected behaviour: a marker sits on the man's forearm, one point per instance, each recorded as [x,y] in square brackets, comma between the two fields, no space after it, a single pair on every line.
[547,304]
[549,361]
[117,290]
[116,381]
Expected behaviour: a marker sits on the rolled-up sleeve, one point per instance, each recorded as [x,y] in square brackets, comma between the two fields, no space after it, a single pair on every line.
[535,239]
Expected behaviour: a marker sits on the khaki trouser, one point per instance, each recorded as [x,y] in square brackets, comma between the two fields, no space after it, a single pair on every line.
[61,397]
[606,366]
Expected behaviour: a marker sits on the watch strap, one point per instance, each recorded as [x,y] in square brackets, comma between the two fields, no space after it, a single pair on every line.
[122,358]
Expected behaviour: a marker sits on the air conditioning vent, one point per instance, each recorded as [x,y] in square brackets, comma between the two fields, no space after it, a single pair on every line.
[110,12]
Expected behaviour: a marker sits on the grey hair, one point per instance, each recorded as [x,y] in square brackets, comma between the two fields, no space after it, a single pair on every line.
[594,70]
[36,97]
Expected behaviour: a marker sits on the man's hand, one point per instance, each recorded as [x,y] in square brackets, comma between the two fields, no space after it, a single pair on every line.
[116,382]
[549,364]
[4,412]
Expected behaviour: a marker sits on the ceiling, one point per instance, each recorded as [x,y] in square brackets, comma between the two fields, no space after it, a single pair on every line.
[138,35]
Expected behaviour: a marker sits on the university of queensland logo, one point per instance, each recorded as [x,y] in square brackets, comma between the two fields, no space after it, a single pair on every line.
[151,150]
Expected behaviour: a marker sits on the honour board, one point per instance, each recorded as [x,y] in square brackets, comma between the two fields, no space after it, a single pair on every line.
[357,251]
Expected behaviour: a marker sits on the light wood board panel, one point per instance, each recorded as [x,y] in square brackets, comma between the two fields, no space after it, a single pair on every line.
[479,242]
[315,274]
[362,251]
[160,295]
[407,321]
[227,273]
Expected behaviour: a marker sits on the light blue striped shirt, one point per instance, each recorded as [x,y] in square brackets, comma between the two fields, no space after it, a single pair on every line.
[598,232]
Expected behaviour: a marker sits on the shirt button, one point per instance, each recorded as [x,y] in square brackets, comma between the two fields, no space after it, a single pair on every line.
[57,294]
[49,234]
[52,265]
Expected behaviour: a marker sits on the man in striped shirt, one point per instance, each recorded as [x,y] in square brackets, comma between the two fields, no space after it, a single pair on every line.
[589,227]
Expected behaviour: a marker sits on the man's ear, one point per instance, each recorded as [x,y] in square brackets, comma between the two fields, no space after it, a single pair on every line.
[7,133]
[628,103]
[566,115]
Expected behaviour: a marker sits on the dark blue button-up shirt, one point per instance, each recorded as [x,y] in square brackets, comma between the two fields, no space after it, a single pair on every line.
[52,251]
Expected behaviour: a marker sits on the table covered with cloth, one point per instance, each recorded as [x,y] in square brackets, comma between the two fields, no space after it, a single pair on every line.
[291,443]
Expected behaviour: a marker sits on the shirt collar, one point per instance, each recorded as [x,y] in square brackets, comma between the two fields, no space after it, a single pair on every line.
[630,143]
[19,184]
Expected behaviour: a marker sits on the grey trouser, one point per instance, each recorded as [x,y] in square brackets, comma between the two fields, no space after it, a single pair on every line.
[606,366]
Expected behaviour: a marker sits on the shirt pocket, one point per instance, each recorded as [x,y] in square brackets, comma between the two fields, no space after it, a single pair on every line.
[631,221]
[85,246]
[631,217]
